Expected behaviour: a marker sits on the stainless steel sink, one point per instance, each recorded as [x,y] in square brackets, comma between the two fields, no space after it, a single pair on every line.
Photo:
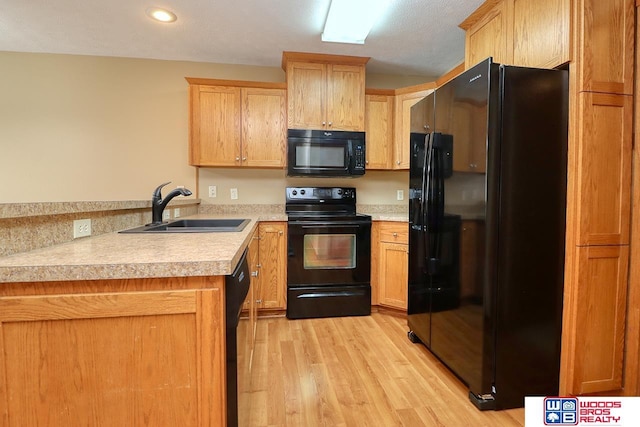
[193,226]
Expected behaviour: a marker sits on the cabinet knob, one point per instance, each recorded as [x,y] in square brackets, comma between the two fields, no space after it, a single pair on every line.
[426,126]
[258,265]
[244,159]
[330,123]
[258,301]
[366,162]
[237,158]
[473,165]
[398,162]
[395,234]
[324,123]
[280,232]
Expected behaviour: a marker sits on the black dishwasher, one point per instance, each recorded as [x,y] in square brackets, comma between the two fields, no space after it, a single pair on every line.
[236,289]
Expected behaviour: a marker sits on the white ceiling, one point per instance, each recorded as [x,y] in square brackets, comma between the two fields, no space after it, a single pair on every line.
[417,37]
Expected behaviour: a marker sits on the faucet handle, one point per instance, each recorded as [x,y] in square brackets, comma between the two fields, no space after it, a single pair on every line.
[157,193]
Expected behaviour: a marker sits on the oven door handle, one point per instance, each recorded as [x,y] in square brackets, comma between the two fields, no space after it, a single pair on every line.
[324,225]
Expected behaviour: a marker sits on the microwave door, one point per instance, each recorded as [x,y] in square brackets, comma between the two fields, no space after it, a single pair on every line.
[321,158]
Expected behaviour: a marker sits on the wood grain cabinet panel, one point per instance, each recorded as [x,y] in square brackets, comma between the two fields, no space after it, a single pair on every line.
[519,32]
[307,93]
[604,168]
[488,34]
[392,267]
[595,360]
[114,358]
[236,126]
[379,131]
[606,46]
[401,143]
[325,92]
[541,33]
[264,127]
[273,265]
[215,125]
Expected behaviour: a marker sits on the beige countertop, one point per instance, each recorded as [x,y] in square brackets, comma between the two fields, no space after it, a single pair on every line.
[125,256]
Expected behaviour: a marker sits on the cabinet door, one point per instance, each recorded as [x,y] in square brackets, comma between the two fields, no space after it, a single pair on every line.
[215,126]
[606,46]
[393,270]
[379,131]
[307,95]
[273,268]
[597,322]
[488,36]
[541,36]
[402,125]
[603,181]
[113,359]
[264,127]
[345,97]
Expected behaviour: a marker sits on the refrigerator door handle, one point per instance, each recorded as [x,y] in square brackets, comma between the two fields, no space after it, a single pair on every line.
[438,178]
[426,176]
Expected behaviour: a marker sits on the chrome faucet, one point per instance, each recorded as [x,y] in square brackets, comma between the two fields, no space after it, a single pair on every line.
[158,204]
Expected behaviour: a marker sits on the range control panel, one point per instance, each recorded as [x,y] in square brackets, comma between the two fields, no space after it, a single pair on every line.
[320,194]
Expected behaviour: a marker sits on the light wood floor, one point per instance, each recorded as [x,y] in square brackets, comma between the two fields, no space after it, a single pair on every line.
[356,371]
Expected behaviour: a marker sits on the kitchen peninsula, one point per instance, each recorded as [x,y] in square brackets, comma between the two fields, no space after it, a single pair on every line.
[117,329]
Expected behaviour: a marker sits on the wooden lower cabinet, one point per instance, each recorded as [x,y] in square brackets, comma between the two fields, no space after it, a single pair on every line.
[144,352]
[391,257]
[593,353]
[272,266]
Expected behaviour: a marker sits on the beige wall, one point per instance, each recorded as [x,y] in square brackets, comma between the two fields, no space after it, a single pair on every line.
[81,128]
[261,186]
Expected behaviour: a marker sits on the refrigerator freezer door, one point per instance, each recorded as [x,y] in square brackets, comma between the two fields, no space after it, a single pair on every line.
[458,329]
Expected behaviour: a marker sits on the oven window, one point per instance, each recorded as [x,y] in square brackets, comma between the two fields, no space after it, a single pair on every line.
[329,251]
[308,155]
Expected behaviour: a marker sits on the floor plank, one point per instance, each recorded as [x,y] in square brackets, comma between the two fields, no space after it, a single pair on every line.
[356,371]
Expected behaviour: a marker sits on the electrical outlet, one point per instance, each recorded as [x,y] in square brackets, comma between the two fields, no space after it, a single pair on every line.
[166,215]
[234,194]
[400,195]
[81,228]
[176,213]
[213,191]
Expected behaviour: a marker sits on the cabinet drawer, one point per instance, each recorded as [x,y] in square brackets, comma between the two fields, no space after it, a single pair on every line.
[394,232]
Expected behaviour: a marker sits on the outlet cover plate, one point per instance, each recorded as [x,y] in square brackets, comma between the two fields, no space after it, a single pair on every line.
[81,228]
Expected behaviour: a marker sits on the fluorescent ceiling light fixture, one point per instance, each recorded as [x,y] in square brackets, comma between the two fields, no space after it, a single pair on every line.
[349,21]
[161,15]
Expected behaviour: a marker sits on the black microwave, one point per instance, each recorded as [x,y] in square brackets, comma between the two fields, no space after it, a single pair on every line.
[320,153]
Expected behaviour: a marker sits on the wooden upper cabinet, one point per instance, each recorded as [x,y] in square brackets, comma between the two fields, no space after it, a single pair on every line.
[214,125]
[605,44]
[325,91]
[264,127]
[236,123]
[307,92]
[519,32]
[541,33]
[487,34]
[603,181]
[403,103]
[379,131]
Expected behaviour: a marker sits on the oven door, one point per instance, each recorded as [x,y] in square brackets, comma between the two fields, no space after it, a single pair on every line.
[323,253]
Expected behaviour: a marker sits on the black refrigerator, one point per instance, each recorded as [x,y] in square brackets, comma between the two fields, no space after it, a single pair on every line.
[487,205]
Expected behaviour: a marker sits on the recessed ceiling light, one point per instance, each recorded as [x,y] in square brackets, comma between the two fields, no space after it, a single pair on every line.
[161,15]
